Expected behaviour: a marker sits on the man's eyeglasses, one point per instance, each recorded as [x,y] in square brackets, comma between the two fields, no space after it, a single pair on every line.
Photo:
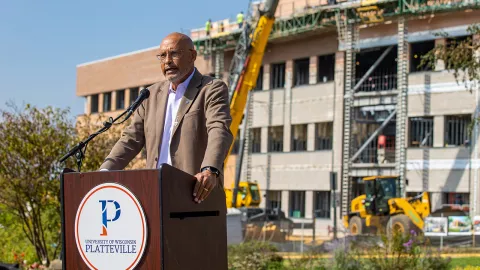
[175,55]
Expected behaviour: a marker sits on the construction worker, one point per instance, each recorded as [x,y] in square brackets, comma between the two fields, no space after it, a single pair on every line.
[208,26]
[222,27]
[240,19]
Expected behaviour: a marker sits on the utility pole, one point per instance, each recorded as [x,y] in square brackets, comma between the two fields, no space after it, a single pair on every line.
[333,185]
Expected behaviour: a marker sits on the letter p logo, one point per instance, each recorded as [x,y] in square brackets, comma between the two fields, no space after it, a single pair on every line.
[105,218]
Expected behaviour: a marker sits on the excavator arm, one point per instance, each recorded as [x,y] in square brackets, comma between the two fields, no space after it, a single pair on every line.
[416,209]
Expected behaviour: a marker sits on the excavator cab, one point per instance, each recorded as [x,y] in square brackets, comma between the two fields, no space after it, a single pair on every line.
[378,190]
[248,194]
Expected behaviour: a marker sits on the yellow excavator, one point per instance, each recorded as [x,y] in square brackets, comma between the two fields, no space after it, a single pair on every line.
[243,75]
[248,195]
[382,210]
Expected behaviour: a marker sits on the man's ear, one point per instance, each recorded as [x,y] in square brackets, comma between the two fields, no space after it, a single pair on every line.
[194,55]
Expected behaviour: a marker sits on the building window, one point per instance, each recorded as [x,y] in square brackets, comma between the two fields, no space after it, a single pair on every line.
[133,95]
[277,76]
[323,136]
[275,139]
[107,102]
[299,137]
[322,204]
[297,204]
[417,50]
[256,139]
[259,84]
[94,104]
[384,77]
[456,130]
[412,194]
[421,132]
[274,199]
[326,68]
[302,71]
[120,99]
[456,198]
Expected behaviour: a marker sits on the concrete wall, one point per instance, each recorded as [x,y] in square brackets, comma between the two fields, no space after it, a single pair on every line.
[125,71]
[437,93]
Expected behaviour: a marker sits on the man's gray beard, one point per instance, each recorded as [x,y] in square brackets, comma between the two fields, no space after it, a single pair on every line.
[176,79]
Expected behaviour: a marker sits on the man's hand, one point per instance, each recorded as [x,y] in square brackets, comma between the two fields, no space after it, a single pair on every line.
[206,181]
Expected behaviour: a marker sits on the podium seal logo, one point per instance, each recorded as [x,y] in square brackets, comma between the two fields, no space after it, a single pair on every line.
[110,228]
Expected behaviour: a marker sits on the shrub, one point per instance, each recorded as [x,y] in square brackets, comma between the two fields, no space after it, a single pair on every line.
[396,252]
[253,256]
[390,253]
[408,251]
[307,261]
[344,259]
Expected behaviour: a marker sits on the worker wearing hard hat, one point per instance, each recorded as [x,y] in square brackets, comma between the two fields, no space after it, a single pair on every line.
[240,19]
[208,27]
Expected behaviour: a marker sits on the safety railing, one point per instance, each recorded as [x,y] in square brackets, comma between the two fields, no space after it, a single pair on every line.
[379,81]
[375,154]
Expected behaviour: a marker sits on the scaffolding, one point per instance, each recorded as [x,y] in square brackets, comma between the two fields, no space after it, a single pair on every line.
[324,18]
[350,38]
[345,19]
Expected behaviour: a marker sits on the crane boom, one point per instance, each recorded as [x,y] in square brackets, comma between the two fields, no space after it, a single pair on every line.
[247,78]
[243,76]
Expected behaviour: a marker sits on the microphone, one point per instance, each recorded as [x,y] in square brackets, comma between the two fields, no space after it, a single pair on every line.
[144,94]
[81,147]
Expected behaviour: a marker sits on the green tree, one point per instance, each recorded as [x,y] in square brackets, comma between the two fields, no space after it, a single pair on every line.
[460,56]
[99,148]
[14,246]
[31,141]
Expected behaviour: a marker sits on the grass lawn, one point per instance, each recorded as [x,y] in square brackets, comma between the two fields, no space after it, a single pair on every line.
[463,262]
[455,263]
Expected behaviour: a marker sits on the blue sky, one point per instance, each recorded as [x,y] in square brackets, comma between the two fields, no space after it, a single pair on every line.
[41,42]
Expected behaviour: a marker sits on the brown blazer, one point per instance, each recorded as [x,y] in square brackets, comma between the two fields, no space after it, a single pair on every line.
[201,138]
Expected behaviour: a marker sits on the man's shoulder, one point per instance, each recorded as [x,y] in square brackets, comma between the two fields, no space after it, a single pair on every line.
[212,82]
[157,86]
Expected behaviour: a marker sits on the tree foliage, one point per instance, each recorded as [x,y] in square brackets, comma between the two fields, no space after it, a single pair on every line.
[14,247]
[32,141]
[98,148]
[460,56]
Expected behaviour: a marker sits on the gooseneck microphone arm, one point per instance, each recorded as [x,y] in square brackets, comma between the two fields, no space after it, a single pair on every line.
[80,149]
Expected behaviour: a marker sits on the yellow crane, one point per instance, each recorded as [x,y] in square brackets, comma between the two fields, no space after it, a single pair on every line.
[243,77]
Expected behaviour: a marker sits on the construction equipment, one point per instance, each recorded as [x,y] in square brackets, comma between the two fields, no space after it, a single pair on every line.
[242,78]
[248,195]
[382,208]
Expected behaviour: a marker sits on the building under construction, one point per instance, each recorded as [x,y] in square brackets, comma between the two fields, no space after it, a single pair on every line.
[340,95]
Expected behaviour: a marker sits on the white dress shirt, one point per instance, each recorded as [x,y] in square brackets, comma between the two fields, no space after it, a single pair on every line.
[174,98]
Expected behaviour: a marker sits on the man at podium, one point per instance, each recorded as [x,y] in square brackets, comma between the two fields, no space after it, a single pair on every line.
[185,122]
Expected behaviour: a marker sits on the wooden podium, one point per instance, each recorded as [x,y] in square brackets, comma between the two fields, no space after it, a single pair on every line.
[182,234]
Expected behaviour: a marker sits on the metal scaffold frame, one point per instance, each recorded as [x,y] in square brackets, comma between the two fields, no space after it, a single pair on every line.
[402,85]
[348,104]
[219,60]
[325,18]
[350,38]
